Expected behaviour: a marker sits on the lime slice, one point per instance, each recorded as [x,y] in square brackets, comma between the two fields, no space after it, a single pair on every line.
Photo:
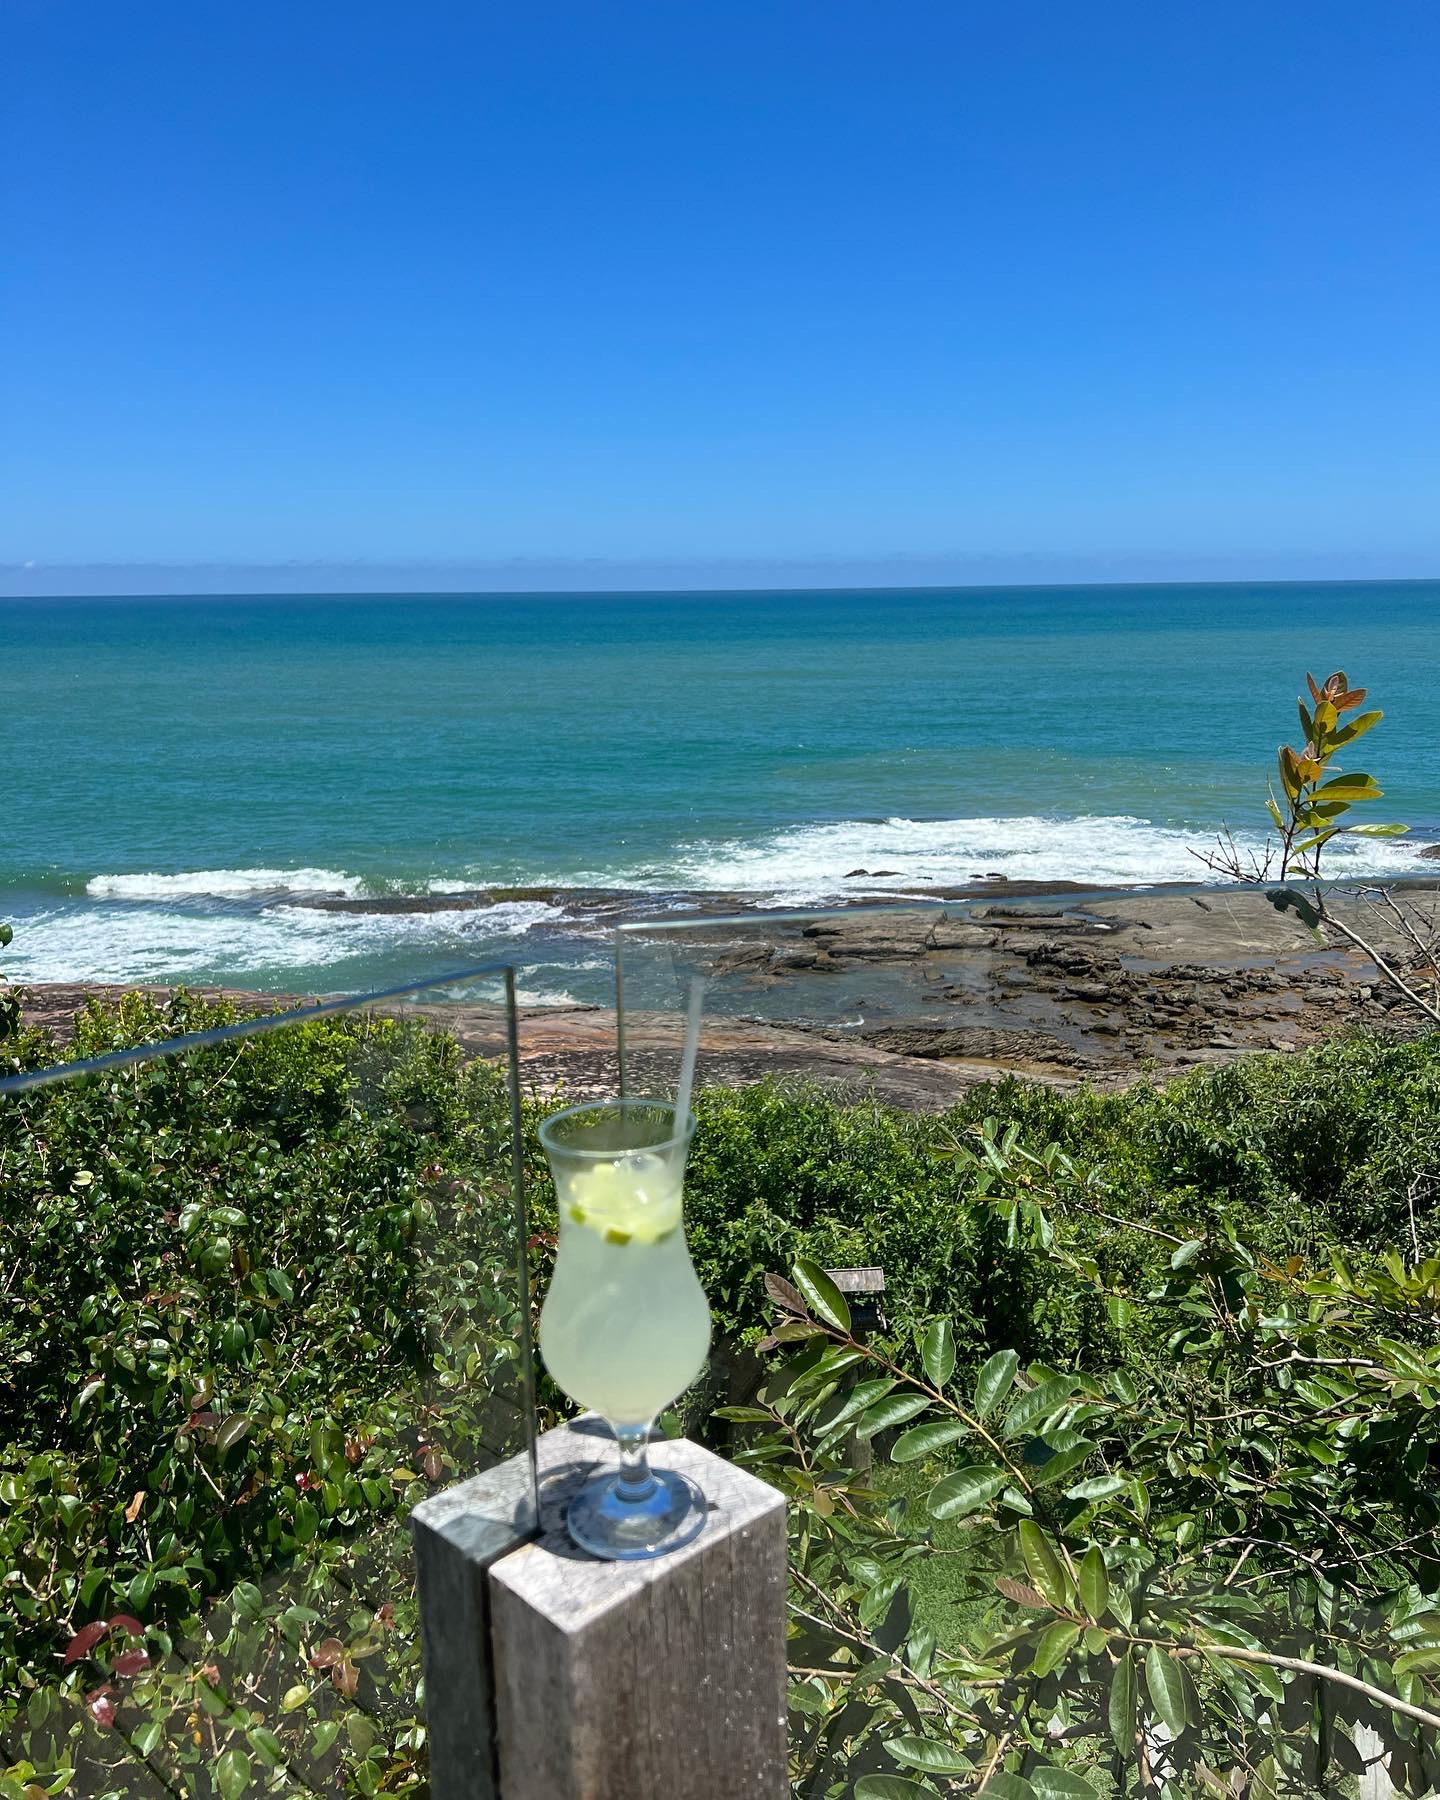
[636,1201]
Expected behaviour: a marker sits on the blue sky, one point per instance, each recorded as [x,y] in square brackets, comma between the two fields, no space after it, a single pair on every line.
[755,287]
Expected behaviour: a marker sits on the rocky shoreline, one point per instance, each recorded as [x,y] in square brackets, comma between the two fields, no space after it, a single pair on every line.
[1070,989]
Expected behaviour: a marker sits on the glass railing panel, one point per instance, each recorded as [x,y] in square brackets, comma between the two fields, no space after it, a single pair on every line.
[266,1289]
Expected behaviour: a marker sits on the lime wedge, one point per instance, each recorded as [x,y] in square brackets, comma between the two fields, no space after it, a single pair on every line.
[634,1201]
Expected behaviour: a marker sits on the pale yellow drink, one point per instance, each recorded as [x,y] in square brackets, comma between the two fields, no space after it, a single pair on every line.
[626,1327]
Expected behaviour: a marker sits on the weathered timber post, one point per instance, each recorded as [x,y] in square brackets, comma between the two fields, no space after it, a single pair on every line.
[654,1680]
[458,1534]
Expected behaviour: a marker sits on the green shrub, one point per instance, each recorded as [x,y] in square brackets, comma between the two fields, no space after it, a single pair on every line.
[256,1297]
[226,1364]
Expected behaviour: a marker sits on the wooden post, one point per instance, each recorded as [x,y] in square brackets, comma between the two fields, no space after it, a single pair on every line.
[658,1680]
[458,1534]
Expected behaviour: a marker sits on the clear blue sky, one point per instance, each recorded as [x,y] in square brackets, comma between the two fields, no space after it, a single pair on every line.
[764,283]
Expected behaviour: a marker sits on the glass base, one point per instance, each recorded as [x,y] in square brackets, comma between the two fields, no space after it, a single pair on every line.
[616,1528]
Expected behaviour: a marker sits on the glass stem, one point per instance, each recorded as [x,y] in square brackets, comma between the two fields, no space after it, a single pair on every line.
[635,1482]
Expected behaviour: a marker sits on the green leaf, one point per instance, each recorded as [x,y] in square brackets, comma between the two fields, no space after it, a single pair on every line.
[887,1787]
[237,1426]
[1122,1705]
[861,1398]
[938,1352]
[1063,1450]
[1349,787]
[1266,1785]
[1051,1783]
[925,1440]
[892,1411]
[1292,900]
[1039,1403]
[992,1384]
[1187,1253]
[147,1737]
[929,1755]
[360,1731]
[797,1331]
[1045,1572]
[232,1773]
[1005,1786]
[266,1745]
[1098,1487]
[1056,1643]
[965,1491]
[1094,1583]
[1358,726]
[86,1395]
[1376,831]
[1165,1682]
[876,1601]
[821,1295]
[324,1736]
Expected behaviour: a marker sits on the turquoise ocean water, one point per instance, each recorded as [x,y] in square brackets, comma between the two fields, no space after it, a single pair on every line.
[178,772]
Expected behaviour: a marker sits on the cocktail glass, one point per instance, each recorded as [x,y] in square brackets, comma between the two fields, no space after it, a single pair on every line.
[625,1327]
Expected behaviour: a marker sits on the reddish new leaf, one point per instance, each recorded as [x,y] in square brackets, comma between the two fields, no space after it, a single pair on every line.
[327,1653]
[83,1642]
[786,1296]
[100,1705]
[1022,1593]
[128,1623]
[130,1662]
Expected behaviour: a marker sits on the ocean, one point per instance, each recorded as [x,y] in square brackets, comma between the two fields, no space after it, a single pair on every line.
[182,776]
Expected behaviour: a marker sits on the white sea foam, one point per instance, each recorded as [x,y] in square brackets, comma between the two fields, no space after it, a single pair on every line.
[812,863]
[223,884]
[160,943]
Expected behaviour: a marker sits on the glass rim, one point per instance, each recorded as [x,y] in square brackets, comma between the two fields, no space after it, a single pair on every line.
[674,1142]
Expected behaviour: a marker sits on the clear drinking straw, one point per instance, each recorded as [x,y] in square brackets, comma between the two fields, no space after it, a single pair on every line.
[692,1046]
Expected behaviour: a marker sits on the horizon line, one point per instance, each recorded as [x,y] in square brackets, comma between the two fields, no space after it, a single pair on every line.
[702,593]
[437,576]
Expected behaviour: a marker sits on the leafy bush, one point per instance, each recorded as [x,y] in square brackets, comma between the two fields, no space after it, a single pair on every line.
[225,1369]
[1338,1146]
[1216,1572]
